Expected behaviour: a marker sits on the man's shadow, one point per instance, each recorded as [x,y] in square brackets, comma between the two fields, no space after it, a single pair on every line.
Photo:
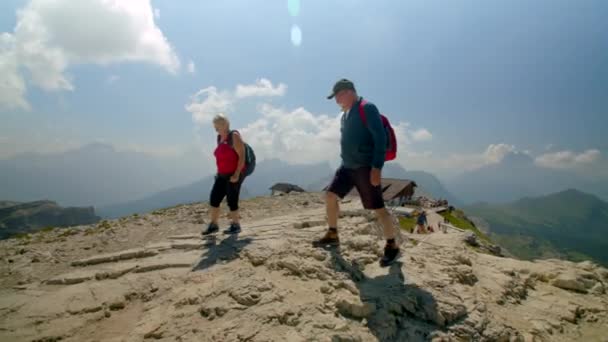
[227,250]
[403,312]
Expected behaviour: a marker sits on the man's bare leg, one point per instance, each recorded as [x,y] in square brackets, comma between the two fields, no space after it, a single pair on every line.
[391,249]
[387,223]
[332,209]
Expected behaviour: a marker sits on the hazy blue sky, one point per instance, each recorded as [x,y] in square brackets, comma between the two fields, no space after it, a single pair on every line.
[468,80]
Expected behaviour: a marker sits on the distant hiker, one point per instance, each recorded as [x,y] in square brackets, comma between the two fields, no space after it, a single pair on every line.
[421,223]
[364,139]
[235,160]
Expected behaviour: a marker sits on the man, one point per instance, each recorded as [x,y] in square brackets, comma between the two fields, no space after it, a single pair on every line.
[421,221]
[363,148]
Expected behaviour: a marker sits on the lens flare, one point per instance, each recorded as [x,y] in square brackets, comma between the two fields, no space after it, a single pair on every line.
[293,6]
[296,35]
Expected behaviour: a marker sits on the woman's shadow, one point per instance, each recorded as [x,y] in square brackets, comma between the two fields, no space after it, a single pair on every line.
[403,312]
[227,250]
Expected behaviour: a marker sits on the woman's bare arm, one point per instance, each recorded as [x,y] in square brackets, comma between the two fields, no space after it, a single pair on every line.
[239,147]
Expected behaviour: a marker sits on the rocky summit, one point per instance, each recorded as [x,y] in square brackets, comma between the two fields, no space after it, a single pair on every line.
[152,277]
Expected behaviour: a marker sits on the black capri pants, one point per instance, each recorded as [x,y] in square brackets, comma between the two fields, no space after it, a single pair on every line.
[222,187]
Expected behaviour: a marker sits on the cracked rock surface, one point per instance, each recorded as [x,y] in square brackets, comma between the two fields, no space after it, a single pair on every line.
[153,277]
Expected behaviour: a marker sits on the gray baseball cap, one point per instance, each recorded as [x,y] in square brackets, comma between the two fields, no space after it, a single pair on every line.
[342,84]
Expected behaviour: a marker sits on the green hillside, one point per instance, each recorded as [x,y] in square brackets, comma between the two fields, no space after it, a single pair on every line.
[569,224]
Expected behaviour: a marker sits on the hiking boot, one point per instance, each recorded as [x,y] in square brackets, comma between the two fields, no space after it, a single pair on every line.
[330,238]
[391,252]
[234,228]
[211,228]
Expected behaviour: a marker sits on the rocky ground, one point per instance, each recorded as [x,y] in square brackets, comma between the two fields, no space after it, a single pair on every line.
[152,277]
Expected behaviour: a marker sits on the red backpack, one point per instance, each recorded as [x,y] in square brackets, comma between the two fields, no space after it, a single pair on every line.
[391,140]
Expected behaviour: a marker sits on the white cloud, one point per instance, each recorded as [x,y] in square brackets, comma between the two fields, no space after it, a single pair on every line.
[454,163]
[568,159]
[156,13]
[262,88]
[294,135]
[191,67]
[12,85]
[299,136]
[207,103]
[495,153]
[52,35]
[112,79]
[422,135]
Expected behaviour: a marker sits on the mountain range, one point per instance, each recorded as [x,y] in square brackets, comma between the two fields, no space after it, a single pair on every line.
[518,176]
[19,218]
[96,174]
[267,173]
[122,182]
[569,224]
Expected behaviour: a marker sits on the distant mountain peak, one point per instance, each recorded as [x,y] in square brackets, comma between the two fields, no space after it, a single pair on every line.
[98,147]
[517,158]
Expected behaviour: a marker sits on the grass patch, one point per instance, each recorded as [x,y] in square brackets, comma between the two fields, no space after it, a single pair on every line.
[47,229]
[104,225]
[22,236]
[458,219]
[100,227]
[68,232]
[407,223]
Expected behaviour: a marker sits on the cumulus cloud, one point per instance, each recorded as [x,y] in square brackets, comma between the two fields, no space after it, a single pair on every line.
[568,159]
[495,153]
[299,136]
[422,135]
[112,79]
[294,135]
[52,35]
[12,85]
[454,163]
[208,102]
[262,87]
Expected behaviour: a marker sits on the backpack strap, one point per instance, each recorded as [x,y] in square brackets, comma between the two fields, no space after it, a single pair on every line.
[229,139]
[362,112]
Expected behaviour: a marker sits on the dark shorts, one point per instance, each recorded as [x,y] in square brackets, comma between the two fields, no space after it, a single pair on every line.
[346,179]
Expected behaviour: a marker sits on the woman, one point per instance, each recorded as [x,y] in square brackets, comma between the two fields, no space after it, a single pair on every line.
[230,160]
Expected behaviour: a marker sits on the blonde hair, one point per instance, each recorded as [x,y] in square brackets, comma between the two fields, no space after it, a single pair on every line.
[221,118]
